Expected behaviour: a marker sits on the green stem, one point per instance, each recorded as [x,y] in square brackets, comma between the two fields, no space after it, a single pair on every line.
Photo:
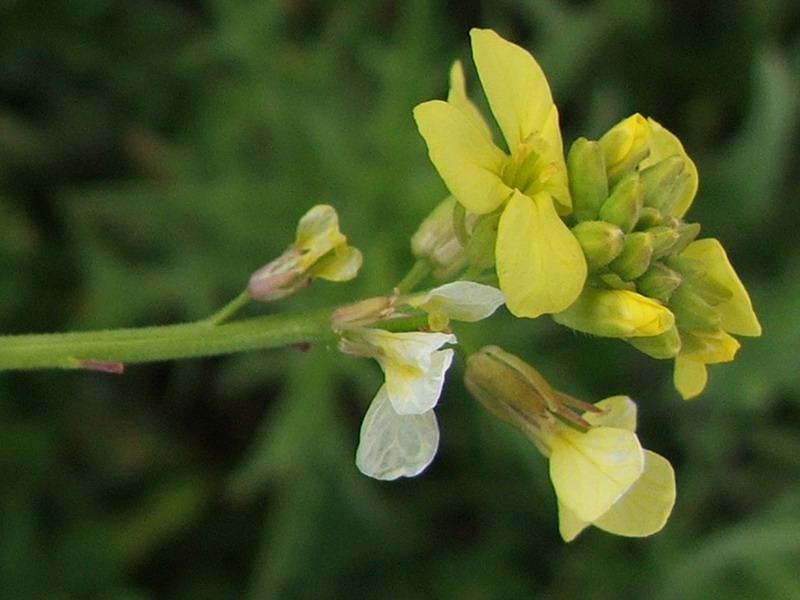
[229,309]
[420,270]
[107,350]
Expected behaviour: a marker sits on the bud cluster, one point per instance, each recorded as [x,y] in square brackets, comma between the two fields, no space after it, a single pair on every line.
[649,281]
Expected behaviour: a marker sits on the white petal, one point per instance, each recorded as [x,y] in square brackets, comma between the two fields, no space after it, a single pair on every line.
[393,445]
[413,391]
[461,300]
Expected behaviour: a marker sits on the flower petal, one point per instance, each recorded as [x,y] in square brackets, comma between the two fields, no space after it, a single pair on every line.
[736,313]
[590,471]
[618,412]
[393,445]
[415,389]
[469,163]
[457,96]
[690,377]
[646,506]
[461,300]
[569,525]
[663,144]
[515,86]
[540,264]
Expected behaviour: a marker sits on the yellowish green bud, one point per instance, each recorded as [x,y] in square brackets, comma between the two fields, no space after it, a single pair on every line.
[665,345]
[649,217]
[588,183]
[613,281]
[625,145]
[616,313]
[664,240]
[625,203]
[664,183]
[481,246]
[687,232]
[659,281]
[601,242]
[635,257]
[692,311]
[436,240]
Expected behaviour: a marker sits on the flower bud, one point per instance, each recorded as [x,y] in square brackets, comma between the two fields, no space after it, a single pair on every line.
[588,183]
[625,145]
[625,203]
[616,313]
[635,257]
[664,183]
[649,217]
[687,232]
[664,239]
[665,345]
[691,311]
[481,246]
[436,241]
[659,281]
[601,242]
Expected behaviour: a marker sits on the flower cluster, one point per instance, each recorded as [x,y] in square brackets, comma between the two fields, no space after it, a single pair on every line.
[650,282]
[601,474]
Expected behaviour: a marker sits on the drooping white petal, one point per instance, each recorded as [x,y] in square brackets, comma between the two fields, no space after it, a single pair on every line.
[393,445]
[461,300]
[413,390]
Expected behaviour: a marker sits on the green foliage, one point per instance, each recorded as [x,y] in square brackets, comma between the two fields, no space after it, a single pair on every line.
[154,154]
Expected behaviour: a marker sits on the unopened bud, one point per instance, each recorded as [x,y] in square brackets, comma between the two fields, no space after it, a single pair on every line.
[436,241]
[480,248]
[649,217]
[664,240]
[691,311]
[625,145]
[659,281]
[666,345]
[625,203]
[635,257]
[616,313]
[662,183]
[588,183]
[601,242]
[687,232]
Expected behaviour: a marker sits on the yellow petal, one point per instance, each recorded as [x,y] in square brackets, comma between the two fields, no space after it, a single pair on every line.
[618,412]
[514,83]
[569,525]
[469,163]
[690,377]
[457,96]
[590,471]
[713,346]
[646,506]
[736,313]
[663,144]
[616,313]
[340,265]
[540,264]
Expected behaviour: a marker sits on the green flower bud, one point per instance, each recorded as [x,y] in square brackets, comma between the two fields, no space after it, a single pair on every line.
[691,311]
[666,345]
[635,257]
[436,240]
[588,183]
[480,248]
[616,313]
[711,291]
[625,203]
[649,217]
[625,145]
[665,181]
[659,281]
[687,232]
[601,242]
[611,280]
[664,239]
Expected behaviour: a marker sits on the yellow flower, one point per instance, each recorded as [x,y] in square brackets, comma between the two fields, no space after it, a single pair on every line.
[733,310]
[540,265]
[320,251]
[601,474]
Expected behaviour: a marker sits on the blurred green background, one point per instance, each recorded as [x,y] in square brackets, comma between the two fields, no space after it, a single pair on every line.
[153,153]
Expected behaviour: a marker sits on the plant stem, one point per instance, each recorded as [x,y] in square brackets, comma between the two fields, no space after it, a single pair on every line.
[107,350]
[418,272]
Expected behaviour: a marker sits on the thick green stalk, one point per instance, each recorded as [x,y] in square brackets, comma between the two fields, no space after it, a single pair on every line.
[105,350]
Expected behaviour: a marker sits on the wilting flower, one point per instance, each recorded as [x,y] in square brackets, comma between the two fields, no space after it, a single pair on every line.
[320,251]
[540,265]
[601,474]
[399,435]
